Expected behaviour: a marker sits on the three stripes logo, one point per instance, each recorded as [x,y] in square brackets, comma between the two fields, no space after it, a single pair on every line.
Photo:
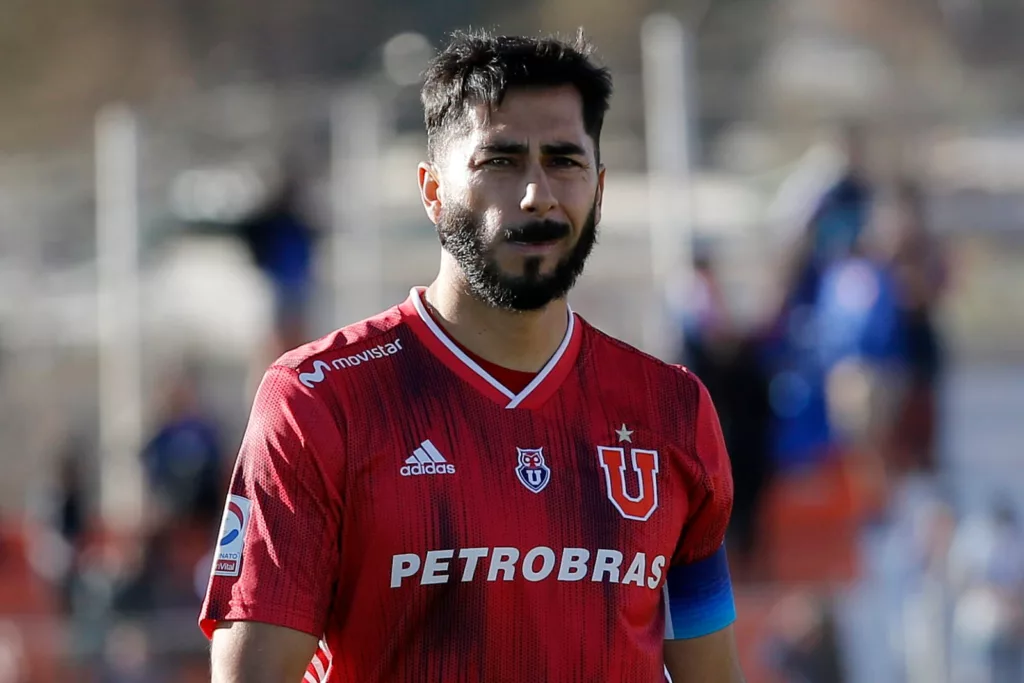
[426,460]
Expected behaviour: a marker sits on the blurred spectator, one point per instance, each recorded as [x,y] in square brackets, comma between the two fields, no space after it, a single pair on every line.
[842,213]
[184,466]
[986,564]
[861,349]
[184,460]
[702,314]
[913,575]
[802,432]
[861,344]
[726,360]
[918,266]
[61,514]
[835,225]
[804,644]
[744,410]
[282,242]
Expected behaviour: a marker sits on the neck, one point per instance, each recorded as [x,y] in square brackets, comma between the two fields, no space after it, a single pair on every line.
[517,340]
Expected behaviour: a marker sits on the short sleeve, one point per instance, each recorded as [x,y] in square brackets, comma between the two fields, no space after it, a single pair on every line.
[278,548]
[699,598]
[711,497]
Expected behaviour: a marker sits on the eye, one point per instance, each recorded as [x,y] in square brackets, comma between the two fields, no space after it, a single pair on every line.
[498,162]
[565,162]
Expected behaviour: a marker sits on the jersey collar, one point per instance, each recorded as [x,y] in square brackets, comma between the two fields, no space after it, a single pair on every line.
[444,349]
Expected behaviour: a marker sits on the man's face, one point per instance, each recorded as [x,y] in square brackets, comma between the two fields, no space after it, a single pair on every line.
[518,197]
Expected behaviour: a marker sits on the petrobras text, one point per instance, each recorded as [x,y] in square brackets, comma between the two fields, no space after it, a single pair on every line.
[537,564]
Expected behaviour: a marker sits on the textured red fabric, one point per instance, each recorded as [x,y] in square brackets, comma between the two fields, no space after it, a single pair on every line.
[468,573]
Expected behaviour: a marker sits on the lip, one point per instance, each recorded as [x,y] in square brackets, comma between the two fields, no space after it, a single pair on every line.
[534,248]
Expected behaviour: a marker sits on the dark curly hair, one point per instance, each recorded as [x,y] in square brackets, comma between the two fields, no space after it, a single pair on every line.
[480,67]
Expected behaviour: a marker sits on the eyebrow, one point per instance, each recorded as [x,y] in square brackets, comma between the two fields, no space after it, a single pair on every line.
[561,148]
[505,148]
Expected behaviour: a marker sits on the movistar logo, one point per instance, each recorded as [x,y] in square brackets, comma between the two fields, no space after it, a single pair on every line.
[321,368]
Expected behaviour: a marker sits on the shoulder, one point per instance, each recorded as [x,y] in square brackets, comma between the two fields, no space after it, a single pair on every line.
[363,342]
[306,391]
[629,364]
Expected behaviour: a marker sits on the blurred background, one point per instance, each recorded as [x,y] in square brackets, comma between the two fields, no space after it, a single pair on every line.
[818,205]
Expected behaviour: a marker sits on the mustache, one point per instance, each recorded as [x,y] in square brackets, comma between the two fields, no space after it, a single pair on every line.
[536,232]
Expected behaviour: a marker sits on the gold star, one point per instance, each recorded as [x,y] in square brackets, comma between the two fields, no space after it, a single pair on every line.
[624,434]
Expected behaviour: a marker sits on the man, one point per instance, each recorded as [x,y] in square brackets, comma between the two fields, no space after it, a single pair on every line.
[476,485]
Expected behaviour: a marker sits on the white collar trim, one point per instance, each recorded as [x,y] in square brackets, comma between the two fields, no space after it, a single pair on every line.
[515,399]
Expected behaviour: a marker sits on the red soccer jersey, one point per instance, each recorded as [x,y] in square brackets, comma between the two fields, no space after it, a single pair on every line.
[427,524]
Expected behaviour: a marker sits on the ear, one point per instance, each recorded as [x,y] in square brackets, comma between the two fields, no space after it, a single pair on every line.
[430,191]
[600,195]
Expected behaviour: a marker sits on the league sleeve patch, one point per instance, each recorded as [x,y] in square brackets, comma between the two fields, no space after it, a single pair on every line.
[231,539]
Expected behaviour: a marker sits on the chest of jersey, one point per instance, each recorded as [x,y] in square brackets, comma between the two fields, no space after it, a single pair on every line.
[458,490]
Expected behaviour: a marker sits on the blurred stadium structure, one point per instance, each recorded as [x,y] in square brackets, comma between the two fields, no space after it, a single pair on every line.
[223,101]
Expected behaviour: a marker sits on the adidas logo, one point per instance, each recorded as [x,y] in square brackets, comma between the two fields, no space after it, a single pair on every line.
[426,460]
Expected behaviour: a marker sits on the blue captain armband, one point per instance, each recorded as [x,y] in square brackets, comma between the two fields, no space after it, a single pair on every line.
[698,598]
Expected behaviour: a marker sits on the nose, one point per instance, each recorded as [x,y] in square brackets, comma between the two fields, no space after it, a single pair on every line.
[538,199]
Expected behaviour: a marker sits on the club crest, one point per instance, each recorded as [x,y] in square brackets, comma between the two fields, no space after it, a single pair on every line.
[531,470]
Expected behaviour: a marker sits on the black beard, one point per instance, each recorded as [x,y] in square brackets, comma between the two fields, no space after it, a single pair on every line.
[461,235]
